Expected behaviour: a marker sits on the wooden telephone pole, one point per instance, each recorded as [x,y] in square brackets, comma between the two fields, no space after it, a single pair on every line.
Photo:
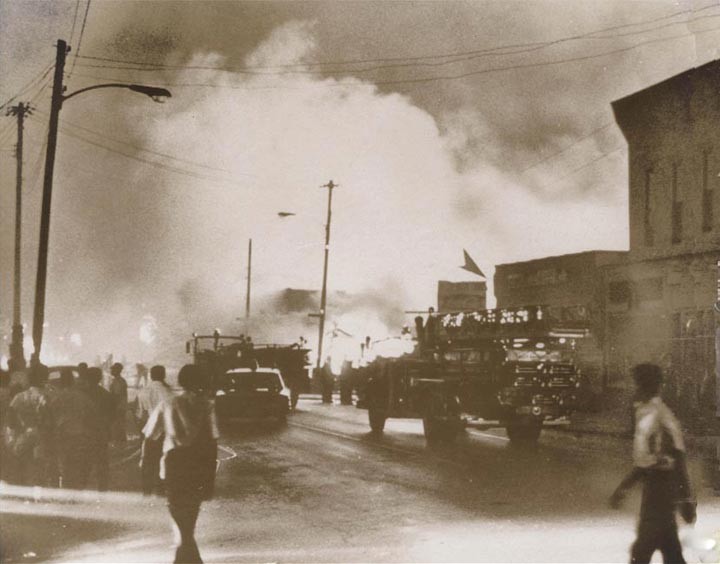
[17,354]
[249,278]
[323,295]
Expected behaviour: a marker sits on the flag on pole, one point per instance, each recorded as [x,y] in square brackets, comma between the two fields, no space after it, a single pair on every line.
[470,265]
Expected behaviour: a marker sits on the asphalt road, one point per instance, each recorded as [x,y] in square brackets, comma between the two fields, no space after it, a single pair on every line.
[322,489]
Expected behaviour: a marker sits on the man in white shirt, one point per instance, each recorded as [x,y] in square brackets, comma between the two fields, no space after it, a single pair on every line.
[190,452]
[659,461]
[149,397]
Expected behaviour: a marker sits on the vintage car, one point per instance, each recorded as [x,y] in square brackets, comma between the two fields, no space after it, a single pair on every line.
[251,393]
[216,354]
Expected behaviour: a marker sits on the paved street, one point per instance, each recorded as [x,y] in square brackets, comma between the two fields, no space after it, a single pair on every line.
[323,489]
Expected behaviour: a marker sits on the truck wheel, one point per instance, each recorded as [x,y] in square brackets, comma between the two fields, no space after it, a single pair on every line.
[376,417]
[524,430]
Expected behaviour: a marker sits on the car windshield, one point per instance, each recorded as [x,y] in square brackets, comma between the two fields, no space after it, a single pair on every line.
[268,381]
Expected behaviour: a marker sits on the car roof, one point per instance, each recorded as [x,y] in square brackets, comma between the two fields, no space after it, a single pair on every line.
[250,371]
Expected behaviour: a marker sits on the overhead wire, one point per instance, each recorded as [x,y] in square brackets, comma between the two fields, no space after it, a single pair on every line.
[5,134]
[80,38]
[592,162]
[39,76]
[75,15]
[493,50]
[170,168]
[567,148]
[420,80]
[138,148]
[460,76]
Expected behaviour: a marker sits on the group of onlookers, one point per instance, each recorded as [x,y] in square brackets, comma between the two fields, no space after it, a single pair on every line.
[56,432]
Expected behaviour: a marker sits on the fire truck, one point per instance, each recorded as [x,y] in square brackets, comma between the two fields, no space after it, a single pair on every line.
[217,354]
[513,368]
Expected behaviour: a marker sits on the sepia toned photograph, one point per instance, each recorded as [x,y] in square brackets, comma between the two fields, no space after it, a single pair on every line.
[360,281]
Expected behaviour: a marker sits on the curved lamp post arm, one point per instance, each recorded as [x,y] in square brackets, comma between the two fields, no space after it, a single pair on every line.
[157,94]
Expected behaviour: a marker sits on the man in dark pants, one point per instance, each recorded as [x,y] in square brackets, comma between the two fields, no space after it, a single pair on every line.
[119,391]
[90,384]
[659,462]
[73,417]
[190,448]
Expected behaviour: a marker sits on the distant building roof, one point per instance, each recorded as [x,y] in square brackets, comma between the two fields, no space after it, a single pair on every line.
[605,257]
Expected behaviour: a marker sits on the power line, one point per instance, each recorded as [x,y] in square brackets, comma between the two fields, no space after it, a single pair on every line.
[427,79]
[82,32]
[6,134]
[539,64]
[137,148]
[592,162]
[42,74]
[72,31]
[169,168]
[492,50]
[567,148]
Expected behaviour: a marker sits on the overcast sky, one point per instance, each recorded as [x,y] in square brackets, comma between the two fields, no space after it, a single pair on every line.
[447,125]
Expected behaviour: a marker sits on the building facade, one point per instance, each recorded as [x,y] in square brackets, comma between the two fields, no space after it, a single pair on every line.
[573,287]
[660,302]
[461,296]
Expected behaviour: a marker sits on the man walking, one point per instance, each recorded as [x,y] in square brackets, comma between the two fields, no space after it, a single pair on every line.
[190,449]
[119,391]
[659,461]
[149,397]
[101,424]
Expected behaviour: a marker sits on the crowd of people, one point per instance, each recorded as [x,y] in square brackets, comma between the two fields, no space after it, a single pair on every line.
[60,433]
[56,433]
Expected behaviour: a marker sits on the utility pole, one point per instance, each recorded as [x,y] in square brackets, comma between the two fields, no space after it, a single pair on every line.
[58,97]
[56,104]
[17,354]
[249,274]
[323,295]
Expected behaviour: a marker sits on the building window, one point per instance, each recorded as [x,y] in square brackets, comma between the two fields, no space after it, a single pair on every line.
[707,200]
[619,292]
[647,224]
[677,207]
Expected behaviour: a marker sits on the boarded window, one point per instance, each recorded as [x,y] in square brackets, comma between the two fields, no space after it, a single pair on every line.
[677,208]
[619,292]
[647,224]
[707,201]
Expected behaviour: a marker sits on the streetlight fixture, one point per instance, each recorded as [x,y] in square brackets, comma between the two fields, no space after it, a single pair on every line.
[157,94]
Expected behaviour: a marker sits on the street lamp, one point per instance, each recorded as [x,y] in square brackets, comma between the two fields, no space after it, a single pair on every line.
[157,94]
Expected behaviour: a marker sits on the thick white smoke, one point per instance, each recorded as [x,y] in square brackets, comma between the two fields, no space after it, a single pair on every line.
[406,205]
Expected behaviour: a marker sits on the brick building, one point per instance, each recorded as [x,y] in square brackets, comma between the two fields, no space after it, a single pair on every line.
[461,296]
[574,286]
[660,303]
